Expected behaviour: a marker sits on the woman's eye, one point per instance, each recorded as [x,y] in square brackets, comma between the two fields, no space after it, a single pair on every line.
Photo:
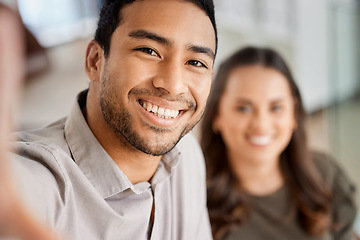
[276,108]
[196,63]
[149,51]
[244,109]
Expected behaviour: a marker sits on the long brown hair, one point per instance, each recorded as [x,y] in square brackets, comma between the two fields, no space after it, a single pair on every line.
[228,206]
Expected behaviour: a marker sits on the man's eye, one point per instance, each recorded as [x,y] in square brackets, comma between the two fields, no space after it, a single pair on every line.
[196,63]
[149,51]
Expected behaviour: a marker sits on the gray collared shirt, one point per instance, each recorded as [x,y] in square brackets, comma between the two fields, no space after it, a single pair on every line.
[71,182]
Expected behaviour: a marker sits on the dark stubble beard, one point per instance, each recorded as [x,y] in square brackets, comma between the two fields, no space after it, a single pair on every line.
[120,121]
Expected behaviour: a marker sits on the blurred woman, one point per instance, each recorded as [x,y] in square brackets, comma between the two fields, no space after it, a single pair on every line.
[263,182]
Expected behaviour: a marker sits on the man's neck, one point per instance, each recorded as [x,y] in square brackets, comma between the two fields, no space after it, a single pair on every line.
[136,165]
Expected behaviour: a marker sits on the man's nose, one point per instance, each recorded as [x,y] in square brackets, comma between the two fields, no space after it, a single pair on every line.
[171,78]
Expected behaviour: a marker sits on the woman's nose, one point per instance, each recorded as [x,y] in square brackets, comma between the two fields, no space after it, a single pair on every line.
[261,120]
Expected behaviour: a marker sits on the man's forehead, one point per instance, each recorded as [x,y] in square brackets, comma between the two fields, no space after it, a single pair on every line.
[160,6]
[168,18]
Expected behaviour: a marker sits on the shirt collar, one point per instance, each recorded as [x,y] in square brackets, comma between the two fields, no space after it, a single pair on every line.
[166,166]
[95,162]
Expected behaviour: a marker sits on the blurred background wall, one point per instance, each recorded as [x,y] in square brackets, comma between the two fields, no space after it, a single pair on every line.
[319,39]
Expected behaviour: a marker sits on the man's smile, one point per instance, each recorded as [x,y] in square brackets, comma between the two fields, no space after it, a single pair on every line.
[158,110]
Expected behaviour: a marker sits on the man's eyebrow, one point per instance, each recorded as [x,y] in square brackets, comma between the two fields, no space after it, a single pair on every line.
[143,34]
[200,49]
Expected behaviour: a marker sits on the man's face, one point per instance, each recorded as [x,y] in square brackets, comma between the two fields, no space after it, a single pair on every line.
[155,82]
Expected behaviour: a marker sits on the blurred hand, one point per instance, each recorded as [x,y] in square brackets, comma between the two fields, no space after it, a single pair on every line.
[15,219]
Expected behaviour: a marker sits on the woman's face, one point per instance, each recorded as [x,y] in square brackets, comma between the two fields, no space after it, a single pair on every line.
[256,116]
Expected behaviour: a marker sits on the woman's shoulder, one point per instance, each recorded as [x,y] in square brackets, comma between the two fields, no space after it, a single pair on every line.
[343,192]
[327,165]
[334,175]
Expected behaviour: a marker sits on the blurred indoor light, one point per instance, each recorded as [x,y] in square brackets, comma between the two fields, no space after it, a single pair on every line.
[55,22]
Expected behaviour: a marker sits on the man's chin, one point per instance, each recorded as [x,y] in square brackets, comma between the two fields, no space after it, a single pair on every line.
[167,146]
[158,150]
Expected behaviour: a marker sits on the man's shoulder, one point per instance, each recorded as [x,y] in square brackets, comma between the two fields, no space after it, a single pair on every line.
[52,135]
[43,152]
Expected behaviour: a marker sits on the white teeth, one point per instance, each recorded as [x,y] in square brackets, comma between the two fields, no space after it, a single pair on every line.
[160,111]
[261,140]
[154,108]
[167,113]
[149,107]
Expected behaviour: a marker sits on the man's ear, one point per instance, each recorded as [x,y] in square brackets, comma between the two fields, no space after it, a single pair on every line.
[94,58]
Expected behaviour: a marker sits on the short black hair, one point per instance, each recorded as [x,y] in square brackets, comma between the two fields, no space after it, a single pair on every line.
[110,18]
